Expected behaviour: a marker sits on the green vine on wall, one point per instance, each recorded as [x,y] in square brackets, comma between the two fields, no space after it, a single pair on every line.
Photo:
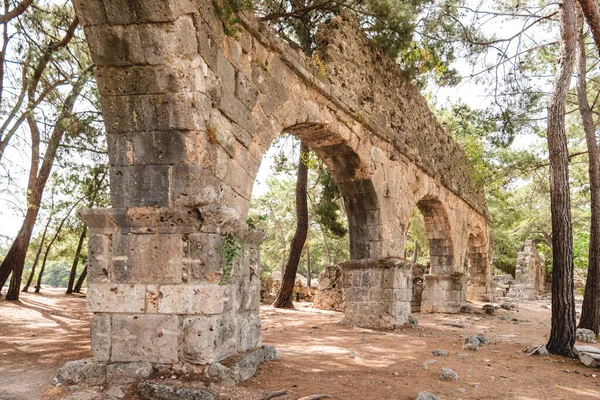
[230,250]
[227,12]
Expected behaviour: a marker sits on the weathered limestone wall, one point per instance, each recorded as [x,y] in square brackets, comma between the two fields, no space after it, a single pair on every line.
[530,273]
[330,295]
[377,293]
[190,112]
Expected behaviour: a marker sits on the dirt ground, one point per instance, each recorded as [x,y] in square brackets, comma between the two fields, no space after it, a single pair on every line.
[319,355]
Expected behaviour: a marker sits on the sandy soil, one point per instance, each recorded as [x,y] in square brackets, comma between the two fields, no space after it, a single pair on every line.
[319,355]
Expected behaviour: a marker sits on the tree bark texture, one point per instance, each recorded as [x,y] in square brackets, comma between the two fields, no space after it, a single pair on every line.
[37,255]
[284,297]
[76,260]
[77,288]
[591,12]
[590,312]
[562,334]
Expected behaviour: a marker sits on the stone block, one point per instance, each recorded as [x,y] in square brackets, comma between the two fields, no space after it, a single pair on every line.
[123,114]
[98,220]
[208,339]
[113,297]
[245,90]
[88,371]
[190,299]
[182,111]
[155,258]
[194,185]
[145,337]
[168,41]
[118,45]
[147,185]
[90,12]
[121,373]
[99,258]
[101,336]
[159,148]
[248,332]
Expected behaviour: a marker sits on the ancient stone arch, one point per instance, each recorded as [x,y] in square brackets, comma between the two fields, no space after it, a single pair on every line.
[189,113]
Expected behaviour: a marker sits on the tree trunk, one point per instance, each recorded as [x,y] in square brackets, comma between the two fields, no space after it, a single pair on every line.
[415,255]
[284,297]
[327,252]
[37,255]
[15,259]
[591,12]
[308,282]
[590,312]
[38,285]
[562,334]
[79,283]
[76,260]
[38,177]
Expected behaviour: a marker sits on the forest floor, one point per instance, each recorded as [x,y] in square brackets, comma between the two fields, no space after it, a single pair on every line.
[319,355]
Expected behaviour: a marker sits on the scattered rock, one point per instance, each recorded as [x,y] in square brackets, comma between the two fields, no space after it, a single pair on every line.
[488,309]
[114,393]
[505,306]
[588,355]
[158,391]
[448,375]
[440,353]
[270,353]
[426,396]
[482,338]
[472,343]
[120,373]
[88,370]
[586,335]
[466,309]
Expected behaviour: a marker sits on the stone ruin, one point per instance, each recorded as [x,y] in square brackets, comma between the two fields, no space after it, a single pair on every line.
[301,291]
[330,295]
[189,113]
[530,274]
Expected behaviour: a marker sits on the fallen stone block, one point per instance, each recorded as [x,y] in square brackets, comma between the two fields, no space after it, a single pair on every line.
[586,335]
[88,370]
[588,355]
[472,343]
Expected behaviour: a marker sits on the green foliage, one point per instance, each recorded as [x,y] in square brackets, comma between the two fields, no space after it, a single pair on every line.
[227,13]
[230,249]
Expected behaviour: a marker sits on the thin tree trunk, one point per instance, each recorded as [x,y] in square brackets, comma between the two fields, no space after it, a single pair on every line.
[562,334]
[308,282]
[284,297]
[590,312]
[415,255]
[38,285]
[325,243]
[80,281]
[37,255]
[282,237]
[38,177]
[76,260]
[591,12]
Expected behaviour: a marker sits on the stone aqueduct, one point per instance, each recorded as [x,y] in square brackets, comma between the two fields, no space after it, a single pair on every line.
[190,112]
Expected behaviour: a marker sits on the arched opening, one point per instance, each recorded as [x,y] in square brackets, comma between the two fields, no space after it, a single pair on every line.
[441,251]
[443,285]
[344,217]
[478,266]
[416,250]
[273,208]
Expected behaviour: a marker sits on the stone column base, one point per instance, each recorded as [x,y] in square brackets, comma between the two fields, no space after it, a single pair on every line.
[230,371]
[445,294]
[377,293]
[479,293]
